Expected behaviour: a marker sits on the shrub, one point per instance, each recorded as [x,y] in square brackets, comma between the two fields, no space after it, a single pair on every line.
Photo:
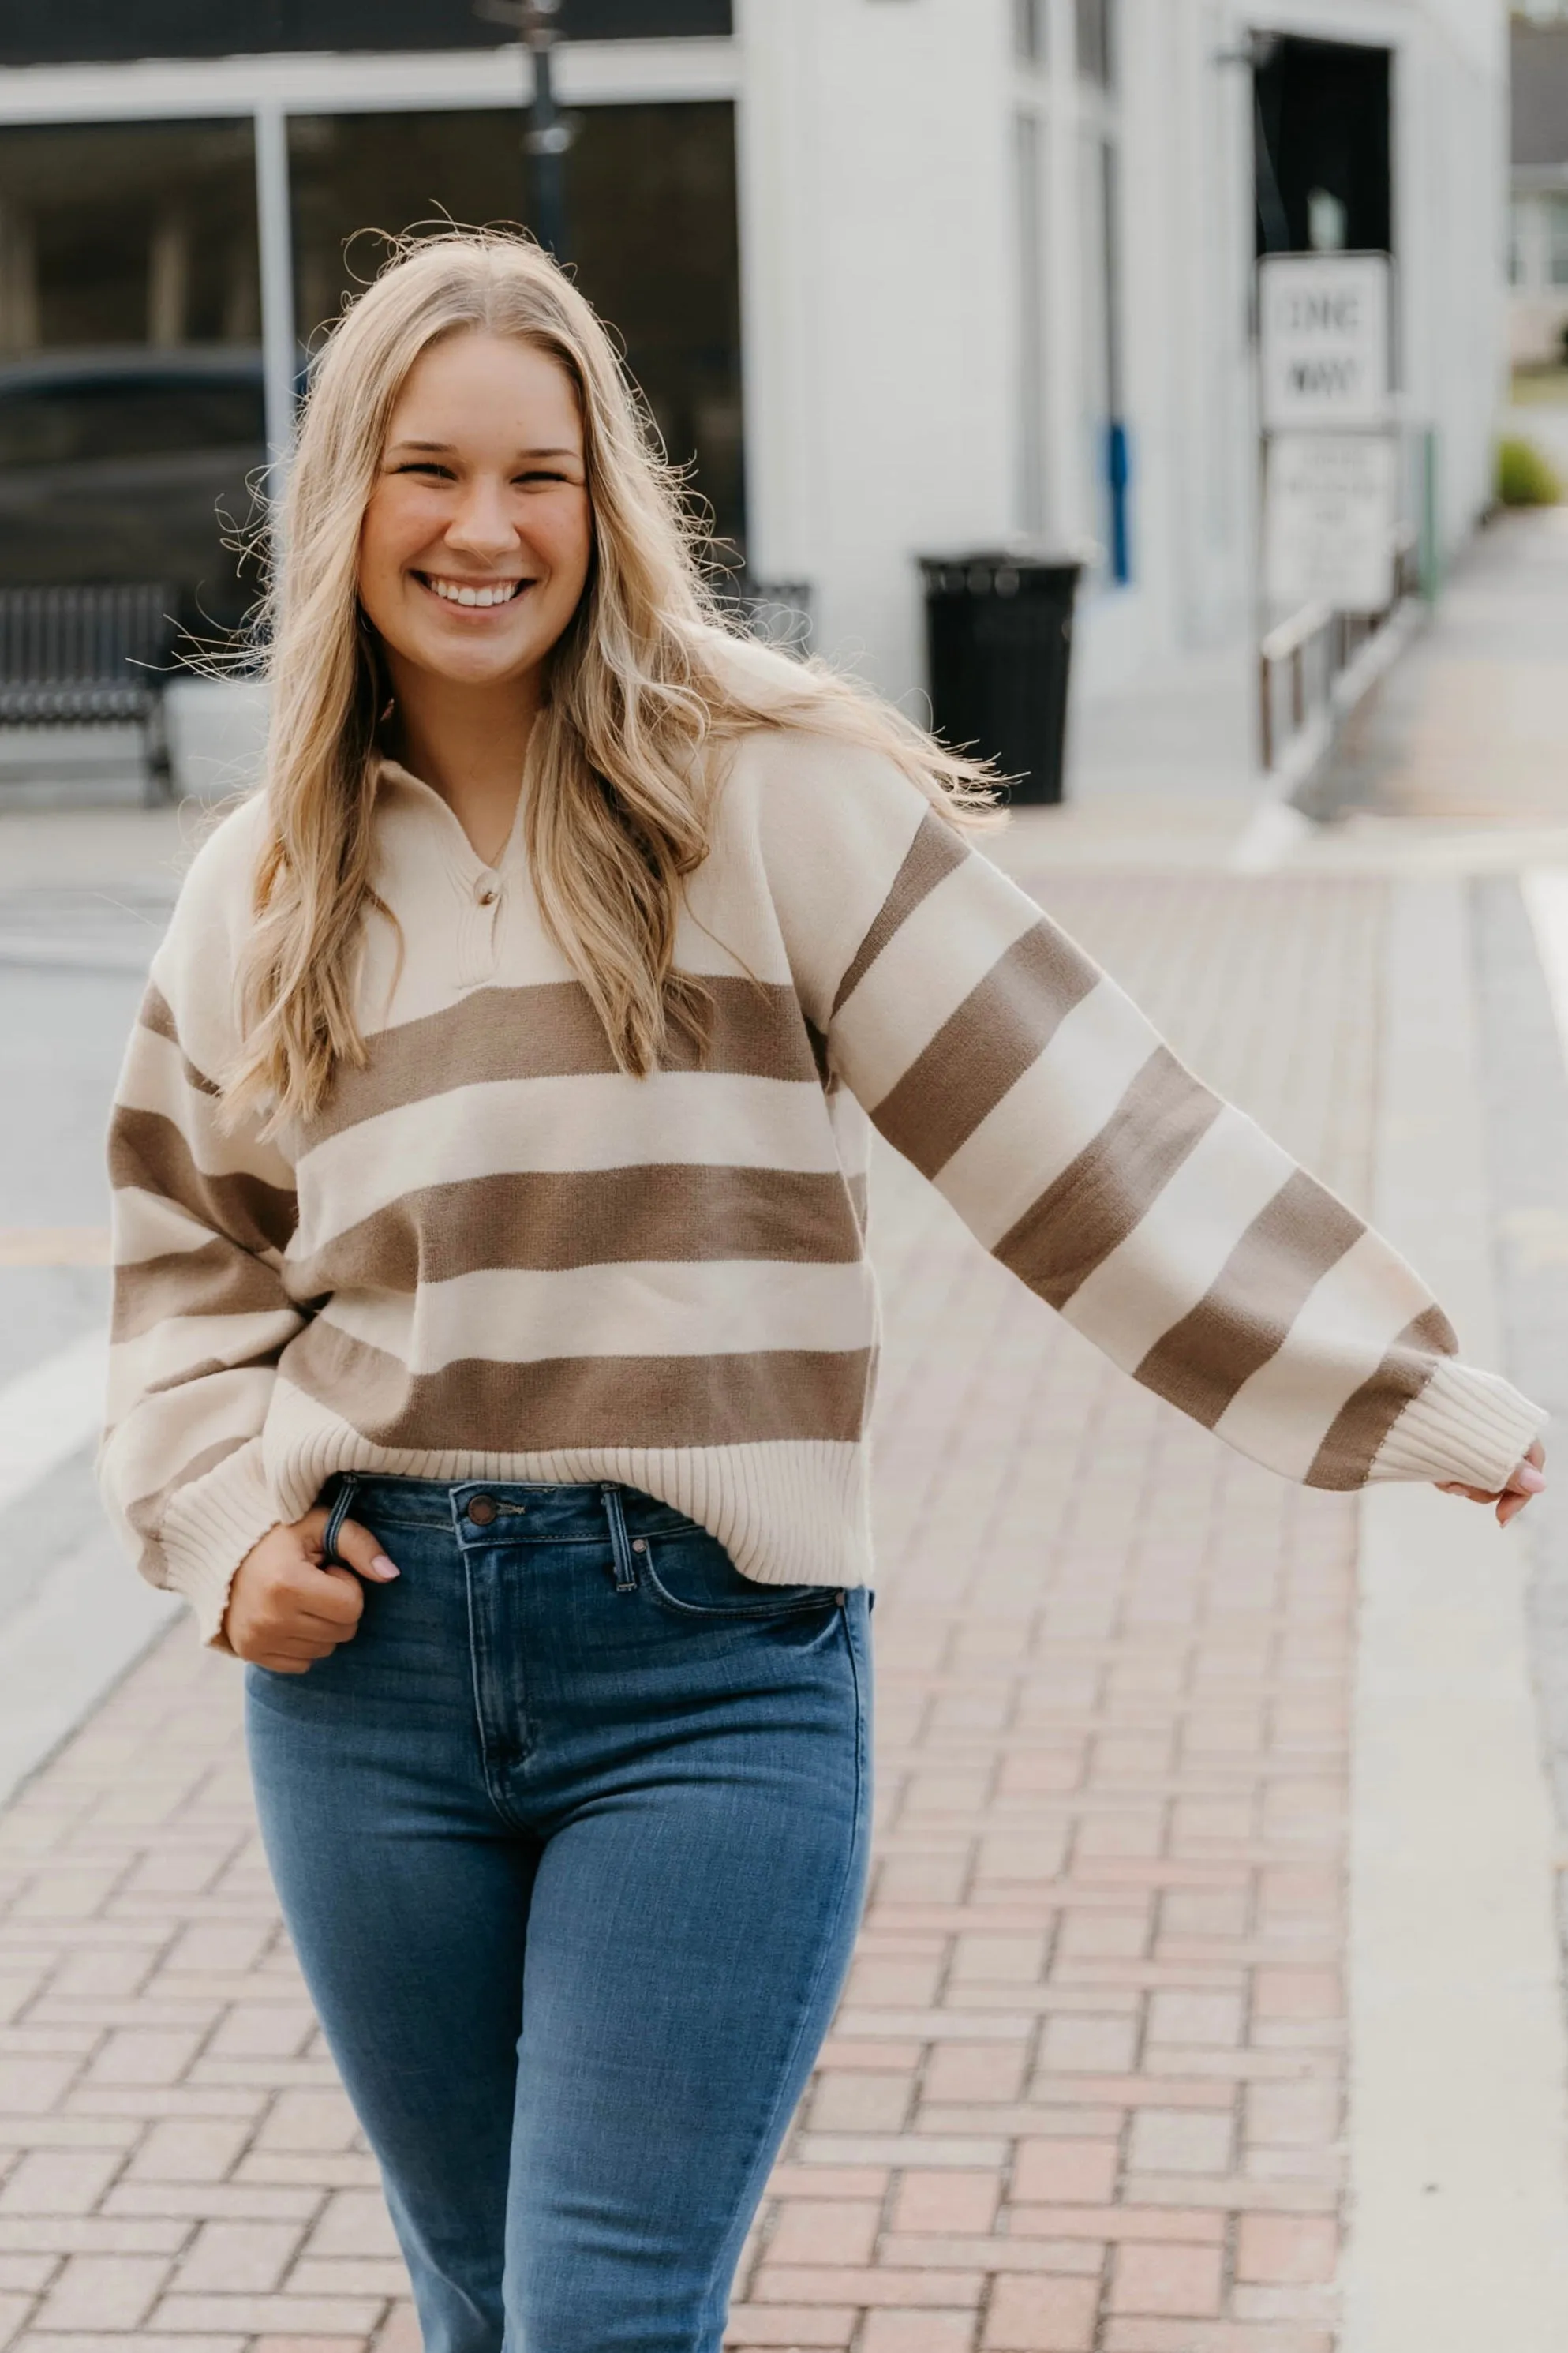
[1525,477]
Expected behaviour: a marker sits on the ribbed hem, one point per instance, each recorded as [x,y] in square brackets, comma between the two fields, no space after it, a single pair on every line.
[209,1527]
[787,1511]
[1469,1427]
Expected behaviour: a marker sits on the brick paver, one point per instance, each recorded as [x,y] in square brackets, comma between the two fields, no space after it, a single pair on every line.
[1086,2087]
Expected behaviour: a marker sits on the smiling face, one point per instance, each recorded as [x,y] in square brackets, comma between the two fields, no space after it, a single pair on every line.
[477,540]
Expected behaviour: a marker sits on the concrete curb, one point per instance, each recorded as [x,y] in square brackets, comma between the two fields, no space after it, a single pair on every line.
[1459,2191]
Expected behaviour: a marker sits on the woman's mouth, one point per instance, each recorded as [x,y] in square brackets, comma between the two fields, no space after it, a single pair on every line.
[482,593]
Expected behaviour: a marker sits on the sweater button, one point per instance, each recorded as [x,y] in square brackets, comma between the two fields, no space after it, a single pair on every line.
[482,1509]
[486,895]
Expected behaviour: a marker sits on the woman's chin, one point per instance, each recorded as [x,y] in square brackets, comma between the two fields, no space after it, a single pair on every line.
[475,665]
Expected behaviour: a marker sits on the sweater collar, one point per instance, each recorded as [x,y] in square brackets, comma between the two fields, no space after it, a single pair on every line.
[395,782]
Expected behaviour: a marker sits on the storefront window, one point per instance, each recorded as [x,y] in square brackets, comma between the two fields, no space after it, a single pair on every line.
[651,236]
[131,403]
[103,30]
[1518,227]
[1557,239]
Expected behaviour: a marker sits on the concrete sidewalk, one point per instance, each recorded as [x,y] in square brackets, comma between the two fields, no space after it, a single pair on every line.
[1089,2085]
[1207,2000]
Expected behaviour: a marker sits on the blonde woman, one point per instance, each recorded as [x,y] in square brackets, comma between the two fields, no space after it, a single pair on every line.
[495,1338]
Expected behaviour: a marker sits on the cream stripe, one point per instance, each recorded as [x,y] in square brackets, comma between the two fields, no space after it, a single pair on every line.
[149,1225]
[153,1080]
[1283,1413]
[1182,1242]
[945,950]
[174,1350]
[1053,1113]
[935,850]
[696,1308]
[177,1425]
[516,1126]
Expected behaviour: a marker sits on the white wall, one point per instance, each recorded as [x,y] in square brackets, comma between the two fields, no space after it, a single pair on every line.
[879,311]
[882,309]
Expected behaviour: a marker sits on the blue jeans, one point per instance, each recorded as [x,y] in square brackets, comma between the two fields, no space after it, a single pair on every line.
[570,1841]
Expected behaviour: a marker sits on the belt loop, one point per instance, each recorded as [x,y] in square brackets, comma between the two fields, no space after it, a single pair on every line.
[625,1567]
[336,1517]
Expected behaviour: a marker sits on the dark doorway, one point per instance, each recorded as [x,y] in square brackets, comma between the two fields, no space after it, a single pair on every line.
[1324,161]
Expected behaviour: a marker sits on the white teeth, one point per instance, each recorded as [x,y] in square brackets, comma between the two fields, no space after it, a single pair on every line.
[455,594]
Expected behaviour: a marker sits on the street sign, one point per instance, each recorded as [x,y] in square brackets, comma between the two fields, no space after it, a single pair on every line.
[1332,511]
[1324,324]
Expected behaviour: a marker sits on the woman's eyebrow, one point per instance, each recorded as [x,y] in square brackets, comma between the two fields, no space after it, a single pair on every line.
[444,448]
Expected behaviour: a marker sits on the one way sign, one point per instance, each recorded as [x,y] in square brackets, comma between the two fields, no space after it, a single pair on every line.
[1325,339]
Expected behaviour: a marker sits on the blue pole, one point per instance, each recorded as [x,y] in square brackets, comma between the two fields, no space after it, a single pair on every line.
[1119,476]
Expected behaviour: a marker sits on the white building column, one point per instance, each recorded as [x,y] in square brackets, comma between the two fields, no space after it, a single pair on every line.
[275,234]
[878,263]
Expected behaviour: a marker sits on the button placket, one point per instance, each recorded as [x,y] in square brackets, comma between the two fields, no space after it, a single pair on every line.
[477,940]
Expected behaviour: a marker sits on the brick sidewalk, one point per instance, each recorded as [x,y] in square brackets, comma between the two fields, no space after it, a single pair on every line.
[1086,2088]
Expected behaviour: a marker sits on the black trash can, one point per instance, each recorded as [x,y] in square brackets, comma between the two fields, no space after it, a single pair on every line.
[999,651]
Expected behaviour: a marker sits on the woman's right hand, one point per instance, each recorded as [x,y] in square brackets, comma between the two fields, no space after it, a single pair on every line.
[288,1606]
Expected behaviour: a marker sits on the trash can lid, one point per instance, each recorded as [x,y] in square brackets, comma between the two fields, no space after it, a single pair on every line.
[1001,572]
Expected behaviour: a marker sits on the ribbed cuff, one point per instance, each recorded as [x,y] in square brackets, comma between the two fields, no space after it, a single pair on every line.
[210,1526]
[1465,1426]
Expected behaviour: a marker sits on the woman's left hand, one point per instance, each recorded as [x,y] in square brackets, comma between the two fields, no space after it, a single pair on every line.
[1527,1481]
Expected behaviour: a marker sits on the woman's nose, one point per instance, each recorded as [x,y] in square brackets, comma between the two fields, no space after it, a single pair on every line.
[482,524]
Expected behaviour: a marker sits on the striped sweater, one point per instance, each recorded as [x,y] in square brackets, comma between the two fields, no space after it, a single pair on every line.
[493,1256]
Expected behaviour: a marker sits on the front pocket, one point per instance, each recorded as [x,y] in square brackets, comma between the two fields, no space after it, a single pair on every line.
[693,1573]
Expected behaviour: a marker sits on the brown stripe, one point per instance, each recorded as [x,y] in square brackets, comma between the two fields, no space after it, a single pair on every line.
[605,1216]
[935,850]
[1246,1316]
[216,1280]
[146,1514]
[254,1360]
[552,1031]
[999,1031]
[1096,1203]
[157,1014]
[147,1151]
[1358,1431]
[682,1401]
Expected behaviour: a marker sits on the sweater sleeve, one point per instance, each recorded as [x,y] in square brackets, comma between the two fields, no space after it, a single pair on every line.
[1158,1220]
[201,1217]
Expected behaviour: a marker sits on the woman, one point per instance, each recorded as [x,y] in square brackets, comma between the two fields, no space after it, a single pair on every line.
[494,1334]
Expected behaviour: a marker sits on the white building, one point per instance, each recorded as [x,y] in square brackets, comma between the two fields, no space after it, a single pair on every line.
[1538,245]
[908,276]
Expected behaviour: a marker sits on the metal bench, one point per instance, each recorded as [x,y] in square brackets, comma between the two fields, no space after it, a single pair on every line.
[77,656]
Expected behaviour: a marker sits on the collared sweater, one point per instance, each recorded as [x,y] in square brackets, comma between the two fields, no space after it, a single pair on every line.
[493,1256]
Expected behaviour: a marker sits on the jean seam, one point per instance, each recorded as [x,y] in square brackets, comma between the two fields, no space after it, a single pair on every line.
[625,1566]
[659,1593]
[478,1678]
[769,2127]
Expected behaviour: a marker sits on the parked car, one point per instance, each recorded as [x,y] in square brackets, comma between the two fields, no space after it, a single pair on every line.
[134,464]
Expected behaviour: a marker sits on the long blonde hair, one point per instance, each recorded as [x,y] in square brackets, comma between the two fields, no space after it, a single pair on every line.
[618,803]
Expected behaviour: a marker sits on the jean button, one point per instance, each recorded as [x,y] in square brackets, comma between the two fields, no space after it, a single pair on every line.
[482,1509]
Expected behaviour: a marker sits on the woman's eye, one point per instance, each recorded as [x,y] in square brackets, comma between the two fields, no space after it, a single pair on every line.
[425,466]
[542,477]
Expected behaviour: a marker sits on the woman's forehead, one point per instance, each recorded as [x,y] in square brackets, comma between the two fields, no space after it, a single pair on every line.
[470,385]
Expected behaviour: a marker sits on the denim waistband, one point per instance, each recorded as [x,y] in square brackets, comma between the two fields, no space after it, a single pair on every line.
[489,1511]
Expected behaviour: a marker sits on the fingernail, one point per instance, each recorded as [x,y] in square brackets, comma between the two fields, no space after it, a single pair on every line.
[1529,1481]
[382,1568]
